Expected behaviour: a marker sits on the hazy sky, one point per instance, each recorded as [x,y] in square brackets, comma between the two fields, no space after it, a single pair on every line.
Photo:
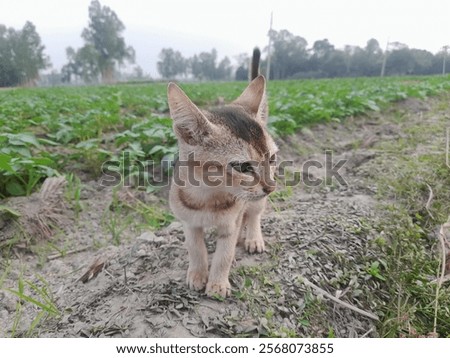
[235,26]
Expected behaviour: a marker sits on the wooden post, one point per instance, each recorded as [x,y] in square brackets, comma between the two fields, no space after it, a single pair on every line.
[445,49]
[383,66]
[269,47]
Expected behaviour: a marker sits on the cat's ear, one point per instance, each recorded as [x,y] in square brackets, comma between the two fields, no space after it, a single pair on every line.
[254,100]
[189,123]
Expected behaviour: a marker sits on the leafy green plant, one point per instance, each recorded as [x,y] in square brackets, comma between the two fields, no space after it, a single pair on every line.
[374,270]
[43,131]
[115,220]
[20,171]
[39,296]
[93,156]
[153,216]
[73,192]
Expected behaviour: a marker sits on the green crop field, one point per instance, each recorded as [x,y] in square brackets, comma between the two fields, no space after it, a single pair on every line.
[371,243]
[45,131]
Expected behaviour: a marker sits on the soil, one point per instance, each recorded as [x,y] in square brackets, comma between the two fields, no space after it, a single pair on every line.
[313,233]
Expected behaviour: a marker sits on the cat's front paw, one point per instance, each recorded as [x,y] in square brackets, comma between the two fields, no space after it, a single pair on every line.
[255,245]
[197,279]
[222,289]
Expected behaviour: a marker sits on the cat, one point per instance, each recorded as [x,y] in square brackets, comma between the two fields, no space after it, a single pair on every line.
[224,174]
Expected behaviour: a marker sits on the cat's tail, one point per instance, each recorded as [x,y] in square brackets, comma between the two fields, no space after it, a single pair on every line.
[255,63]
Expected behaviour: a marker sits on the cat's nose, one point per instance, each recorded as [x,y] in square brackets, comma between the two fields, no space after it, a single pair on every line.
[268,189]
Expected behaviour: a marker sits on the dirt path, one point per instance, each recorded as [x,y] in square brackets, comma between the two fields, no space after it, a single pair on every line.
[320,234]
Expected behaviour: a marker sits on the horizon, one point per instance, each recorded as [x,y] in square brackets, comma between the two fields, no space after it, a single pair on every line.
[150,27]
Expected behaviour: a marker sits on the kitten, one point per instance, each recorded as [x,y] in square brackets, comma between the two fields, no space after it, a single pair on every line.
[225,172]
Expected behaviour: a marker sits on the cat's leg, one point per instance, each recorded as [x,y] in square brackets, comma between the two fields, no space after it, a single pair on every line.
[242,231]
[254,241]
[197,274]
[218,283]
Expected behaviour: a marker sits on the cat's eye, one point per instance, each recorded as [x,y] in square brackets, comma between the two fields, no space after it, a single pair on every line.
[244,167]
[273,159]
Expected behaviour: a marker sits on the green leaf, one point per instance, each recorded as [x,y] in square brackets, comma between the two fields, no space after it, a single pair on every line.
[46,308]
[304,322]
[15,189]
[372,105]
[21,285]
[42,161]
[48,142]
[23,138]
[5,165]
[156,149]
[247,282]
[88,144]
[21,150]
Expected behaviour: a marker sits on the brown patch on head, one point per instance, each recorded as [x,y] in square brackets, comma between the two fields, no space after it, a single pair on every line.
[241,125]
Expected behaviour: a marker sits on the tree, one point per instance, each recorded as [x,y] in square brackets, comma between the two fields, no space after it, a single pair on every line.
[204,66]
[359,62]
[87,59]
[366,61]
[195,67]
[241,74]
[171,64]
[335,64]
[138,73]
[9,73]
[242,71]
[373,47]
[223,71]
[374,58]
[29,54]
[400,60]
[289,54]
[423,62]
[71,69]
[348,56]
[322,53]
[439,60]
[104,46]
[21,56]
[82,64]
[207,62]
[322,49]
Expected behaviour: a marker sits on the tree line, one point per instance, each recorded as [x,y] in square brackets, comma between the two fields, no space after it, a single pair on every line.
[22,57]
[203,66]
[292,58]
[22,53]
